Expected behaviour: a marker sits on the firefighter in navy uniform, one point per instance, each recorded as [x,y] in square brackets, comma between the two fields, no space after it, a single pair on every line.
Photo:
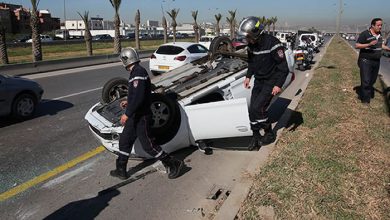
[136,119]
[370,43]
[267,64]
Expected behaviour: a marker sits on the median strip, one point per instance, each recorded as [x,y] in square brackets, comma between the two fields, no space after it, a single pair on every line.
[39,179]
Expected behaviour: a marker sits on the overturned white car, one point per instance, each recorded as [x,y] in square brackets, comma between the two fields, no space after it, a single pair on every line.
[202,100]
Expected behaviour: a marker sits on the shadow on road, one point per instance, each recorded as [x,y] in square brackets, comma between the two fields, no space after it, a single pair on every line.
[86,208]
[46,107]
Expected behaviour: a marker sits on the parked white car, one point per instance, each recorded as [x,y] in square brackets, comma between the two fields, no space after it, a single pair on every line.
[169,56]
[44,38]
[201,100]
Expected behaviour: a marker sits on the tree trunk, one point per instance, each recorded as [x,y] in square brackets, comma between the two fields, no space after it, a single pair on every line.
[117,40]
[174,33]
[36,40]
[137,23]
[88,42]
[217,30]
[196,31]
[165,26]
[3,47]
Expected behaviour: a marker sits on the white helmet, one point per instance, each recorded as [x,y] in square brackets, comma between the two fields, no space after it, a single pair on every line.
[251,27]
[129,56]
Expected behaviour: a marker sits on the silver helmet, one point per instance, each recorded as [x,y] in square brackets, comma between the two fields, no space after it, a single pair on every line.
[251,27]
[129,56]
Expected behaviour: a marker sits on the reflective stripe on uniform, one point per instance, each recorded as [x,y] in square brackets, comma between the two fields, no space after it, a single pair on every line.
[138,77]
[159,154]
[123,153]
[267,51]
[259,121]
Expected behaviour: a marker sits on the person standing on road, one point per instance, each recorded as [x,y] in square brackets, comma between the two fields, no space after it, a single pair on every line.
[267,63]
[370,43]
[136,119]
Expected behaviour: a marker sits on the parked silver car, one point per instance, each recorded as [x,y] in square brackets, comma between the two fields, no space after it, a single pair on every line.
[19,96]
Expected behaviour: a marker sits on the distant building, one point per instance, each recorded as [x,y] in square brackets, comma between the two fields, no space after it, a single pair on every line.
[74,25]
[17,19]
[96,23]
[150,23]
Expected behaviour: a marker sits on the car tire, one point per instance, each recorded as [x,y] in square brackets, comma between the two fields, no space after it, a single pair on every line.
[114,89]
[166,118]
[23,106]
[221,43]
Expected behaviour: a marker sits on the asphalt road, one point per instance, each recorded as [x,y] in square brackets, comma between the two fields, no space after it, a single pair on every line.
[59,133]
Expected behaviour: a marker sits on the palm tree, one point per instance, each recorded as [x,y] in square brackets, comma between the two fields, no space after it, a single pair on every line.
[274,20]
[232,22]
[173,14]
[87,32]
[3,45]
[165,26]
[195,26]
[117,22]
[218,18]
[137,23]
[268,23]
[36,40]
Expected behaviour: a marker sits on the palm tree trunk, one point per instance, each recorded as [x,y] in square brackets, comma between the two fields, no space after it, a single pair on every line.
[137,23]
[36,40]
[3,47]
[174,33]
[88,42]
[165,26]
[117,40]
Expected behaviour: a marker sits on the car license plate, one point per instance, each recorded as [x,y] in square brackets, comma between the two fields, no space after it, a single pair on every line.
[163,67]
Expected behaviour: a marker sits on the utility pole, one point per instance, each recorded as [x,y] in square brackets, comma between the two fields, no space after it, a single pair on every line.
[66,31]
[339,17]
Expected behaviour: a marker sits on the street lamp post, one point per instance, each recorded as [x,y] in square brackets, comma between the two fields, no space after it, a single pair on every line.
[65,35]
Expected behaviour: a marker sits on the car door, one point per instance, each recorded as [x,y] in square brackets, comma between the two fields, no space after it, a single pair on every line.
[197,51]
[228,118]
[4,102]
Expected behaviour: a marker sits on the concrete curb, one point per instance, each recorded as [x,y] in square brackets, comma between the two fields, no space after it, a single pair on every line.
[232,205]
[53,65]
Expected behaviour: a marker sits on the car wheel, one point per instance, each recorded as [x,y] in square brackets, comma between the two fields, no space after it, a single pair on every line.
[23,106]
[166,118]
[220,44]
[114,89]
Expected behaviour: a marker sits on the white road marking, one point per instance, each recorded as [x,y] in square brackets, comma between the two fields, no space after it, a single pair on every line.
[74,94]
[75,70]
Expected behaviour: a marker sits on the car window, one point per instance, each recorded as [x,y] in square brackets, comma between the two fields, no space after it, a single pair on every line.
[169,50]
[197,48]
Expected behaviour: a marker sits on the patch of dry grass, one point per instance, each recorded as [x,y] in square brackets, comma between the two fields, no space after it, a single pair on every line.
[336,165]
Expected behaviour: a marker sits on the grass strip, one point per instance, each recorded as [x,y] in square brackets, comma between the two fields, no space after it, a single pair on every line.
[336,164]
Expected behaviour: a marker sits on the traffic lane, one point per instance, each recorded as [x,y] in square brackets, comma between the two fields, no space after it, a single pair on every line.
[56,84]
[183,198]
[89,190]
[32,147]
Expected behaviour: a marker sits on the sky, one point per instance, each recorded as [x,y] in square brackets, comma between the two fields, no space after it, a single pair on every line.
[303,13]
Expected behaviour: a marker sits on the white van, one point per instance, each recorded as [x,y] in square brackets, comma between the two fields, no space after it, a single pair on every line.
[282,37]
[315,40]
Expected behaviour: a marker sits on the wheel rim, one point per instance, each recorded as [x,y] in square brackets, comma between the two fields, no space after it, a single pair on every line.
[117,92]
[25,107]
[161,114]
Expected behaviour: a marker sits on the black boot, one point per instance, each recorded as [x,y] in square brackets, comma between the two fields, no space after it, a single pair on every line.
[120,171]
[173,166]
[255,142]
[269,135]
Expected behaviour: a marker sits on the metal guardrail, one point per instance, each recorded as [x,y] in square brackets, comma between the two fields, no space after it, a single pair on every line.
[52,65]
